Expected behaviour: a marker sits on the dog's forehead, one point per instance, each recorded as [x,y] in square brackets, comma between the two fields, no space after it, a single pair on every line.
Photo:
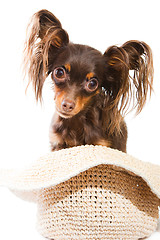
[81,60]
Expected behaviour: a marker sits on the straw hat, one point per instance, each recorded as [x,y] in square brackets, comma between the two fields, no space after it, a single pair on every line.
[90,192]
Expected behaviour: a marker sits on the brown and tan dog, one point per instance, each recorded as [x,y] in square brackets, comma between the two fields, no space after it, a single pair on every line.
[93,91]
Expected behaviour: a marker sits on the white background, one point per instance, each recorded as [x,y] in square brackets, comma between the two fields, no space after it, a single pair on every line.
[24,123]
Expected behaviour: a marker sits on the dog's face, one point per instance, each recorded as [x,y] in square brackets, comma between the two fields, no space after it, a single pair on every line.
[77,73]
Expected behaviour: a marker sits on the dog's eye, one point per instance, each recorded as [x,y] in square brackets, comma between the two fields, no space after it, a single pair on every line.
[59,74]
[91,85]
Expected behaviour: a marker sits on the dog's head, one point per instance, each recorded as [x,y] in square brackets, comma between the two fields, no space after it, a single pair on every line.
[80,73]
[77,74]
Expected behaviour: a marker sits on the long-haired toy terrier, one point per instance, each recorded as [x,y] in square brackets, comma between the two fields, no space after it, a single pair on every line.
[93,91]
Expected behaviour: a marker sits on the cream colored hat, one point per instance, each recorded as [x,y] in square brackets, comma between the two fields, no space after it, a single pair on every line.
[90,192]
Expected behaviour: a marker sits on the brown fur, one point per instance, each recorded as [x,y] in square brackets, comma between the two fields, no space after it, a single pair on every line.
[93,91]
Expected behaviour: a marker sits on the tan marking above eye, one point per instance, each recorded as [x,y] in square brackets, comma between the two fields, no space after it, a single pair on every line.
[90,75]
[68,67]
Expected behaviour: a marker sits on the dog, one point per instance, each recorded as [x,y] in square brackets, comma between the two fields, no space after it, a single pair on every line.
[93,91]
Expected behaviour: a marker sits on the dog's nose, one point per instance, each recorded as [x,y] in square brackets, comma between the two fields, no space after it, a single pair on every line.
[68,105]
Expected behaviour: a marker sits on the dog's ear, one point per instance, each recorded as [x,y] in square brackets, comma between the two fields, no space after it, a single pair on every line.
[128,75]
[45,38]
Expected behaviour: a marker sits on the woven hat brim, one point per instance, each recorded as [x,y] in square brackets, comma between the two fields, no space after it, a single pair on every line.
[57,167]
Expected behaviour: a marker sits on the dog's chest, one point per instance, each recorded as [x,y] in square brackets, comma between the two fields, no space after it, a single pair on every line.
[80,130]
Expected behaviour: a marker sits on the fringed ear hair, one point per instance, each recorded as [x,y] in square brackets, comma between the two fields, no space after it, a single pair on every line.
[46,37]
[124,85]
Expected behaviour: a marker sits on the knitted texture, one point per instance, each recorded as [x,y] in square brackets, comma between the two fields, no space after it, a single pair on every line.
[100,203]
[90,192]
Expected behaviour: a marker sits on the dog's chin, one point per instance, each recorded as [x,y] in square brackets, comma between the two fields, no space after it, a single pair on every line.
[65,115]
